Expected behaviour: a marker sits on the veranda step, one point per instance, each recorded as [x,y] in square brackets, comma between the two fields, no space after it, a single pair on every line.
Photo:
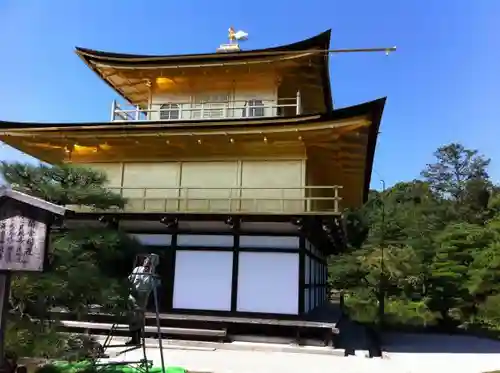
[147,329]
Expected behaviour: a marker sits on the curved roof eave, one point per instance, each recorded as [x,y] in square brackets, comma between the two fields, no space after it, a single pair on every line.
[373,108]
[372,144]
[320,42]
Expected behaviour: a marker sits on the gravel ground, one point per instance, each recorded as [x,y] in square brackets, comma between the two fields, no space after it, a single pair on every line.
[227,361]
[433,353]
[405,354]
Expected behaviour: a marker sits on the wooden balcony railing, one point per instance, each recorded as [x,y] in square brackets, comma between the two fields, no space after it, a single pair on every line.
[187,111]
[300,200]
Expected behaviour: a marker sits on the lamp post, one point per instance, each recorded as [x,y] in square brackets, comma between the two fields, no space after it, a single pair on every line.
[381,290]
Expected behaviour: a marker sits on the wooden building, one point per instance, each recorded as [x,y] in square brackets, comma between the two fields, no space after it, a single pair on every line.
[236,166]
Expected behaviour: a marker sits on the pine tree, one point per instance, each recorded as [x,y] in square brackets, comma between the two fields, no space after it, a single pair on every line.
[87,266]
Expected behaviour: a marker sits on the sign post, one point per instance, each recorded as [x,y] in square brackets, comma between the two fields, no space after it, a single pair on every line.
[24,239]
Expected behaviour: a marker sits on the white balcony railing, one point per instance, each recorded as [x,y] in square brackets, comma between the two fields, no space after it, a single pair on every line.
[185,111]
[305,200]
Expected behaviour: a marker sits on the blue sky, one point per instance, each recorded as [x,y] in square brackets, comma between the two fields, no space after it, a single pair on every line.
[443,83]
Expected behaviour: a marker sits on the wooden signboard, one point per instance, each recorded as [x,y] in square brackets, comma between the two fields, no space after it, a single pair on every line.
[23,237]
[24,228]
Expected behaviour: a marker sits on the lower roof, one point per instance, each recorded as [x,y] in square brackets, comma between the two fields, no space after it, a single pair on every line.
[340,144]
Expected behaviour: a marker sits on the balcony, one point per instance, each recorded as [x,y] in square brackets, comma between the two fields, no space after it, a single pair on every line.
[313,200]
[186,111]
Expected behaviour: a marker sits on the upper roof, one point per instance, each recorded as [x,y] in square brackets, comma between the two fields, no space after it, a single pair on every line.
[319,43]
[107,65]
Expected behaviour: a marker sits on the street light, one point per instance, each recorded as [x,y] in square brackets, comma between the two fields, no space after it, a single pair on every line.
[381,295]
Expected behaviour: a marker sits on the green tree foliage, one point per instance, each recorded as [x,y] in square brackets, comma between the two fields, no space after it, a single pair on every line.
[454,168]
[460,176]
[430,247]
[86,266]
[63,185]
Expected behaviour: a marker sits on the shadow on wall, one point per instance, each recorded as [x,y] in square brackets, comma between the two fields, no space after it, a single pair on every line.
[438,343]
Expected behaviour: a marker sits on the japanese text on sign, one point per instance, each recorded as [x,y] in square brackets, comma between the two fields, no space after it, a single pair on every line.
[22,240]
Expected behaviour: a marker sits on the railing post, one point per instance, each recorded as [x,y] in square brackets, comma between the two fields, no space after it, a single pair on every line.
[282,200]
[144,194]
[308,192]
[179,199]
[137,112]
[113,109]
[298,105]
[336,200]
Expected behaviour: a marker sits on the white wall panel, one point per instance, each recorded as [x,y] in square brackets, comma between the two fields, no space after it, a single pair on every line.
[113,172]
[270,242]
[186,98]
[280,182]
[211,185]
[153,239]
[268,283]
[203,280]
[205,240]
[157,182]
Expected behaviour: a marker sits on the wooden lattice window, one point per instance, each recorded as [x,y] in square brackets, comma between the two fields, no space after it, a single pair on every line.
[213,106]
[169,111]
[254,108]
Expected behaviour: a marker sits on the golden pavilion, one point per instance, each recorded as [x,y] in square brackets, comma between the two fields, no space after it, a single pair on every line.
[236,168]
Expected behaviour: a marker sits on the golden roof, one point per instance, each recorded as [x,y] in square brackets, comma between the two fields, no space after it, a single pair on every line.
[340,145]
[135,76]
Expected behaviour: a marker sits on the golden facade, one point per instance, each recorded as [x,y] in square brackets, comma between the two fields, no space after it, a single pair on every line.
[252,132]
